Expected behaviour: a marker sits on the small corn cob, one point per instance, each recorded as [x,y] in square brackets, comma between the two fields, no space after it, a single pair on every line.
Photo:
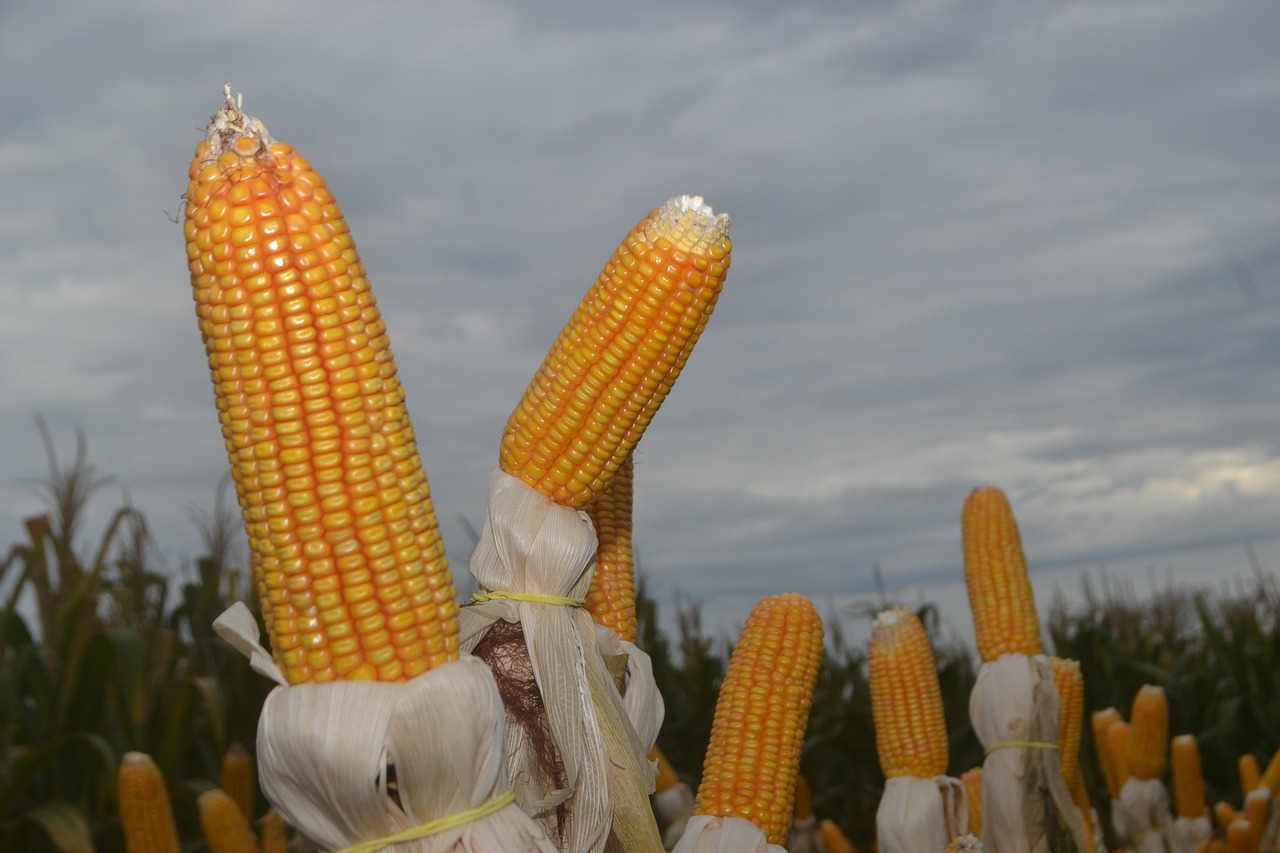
[995,572]
[972,779]
[146,815]
[1255,811]
[1240,836]
[345,546]
[1148,752]
[667,776]
[1271,776]
[834,838]
[906,700]
[1250,772]
[1224,813]
[613,364]
[1118,734]
[611,599]
[274,833]
[1100,721]
[226,830]
[1188,779]
[1070,684]
[761,715]
[803,800]
[237,778]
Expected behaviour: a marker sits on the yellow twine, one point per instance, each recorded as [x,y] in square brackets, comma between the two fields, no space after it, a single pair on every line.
[431,828]
[1025,744]
[530,597]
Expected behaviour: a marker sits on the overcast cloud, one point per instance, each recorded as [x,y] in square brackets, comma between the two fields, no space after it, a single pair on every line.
[1027,244]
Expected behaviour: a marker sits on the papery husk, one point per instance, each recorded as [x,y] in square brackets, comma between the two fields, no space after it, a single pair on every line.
[347,762]
[1188,833]
[918,815]
[1026,807]
[965,844]
[529,544]
[804,837]
[708,834]
[1143,819]
[673,808]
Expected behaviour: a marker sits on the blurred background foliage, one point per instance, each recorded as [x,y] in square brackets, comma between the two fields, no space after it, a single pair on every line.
[102,652]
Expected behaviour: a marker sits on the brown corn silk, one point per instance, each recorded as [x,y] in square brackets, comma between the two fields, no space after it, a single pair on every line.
[761,715]
[617,358]
[995,572]
[345,547]
[146,815]
[225,827]
[611,599]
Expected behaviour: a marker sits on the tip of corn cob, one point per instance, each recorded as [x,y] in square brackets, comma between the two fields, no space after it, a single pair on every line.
[231,128]
[689,222]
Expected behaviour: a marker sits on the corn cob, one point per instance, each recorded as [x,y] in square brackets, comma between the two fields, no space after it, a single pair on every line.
[1255,811]
[237,778]
[761,714]
[803,809]
[1100,721]
[1250,772]
[1148,752]
[1271,776]
[345,546]
[906,700]
[616,359]
[667,776]
[1188,779]
[1240,836]
[274,833]
[972,779]
[1118,734]
[226,830]
[146,815]
[834,838]
[1070,684]
[1224,813]
[995,573]
[611,598]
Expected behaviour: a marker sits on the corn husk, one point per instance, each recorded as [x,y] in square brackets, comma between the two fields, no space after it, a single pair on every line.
[918,815]
[1025,802]
[965,844]
[598,793]
[1143,818]
[326,754]
[1188,833]
[673,808]
[708,834]
[804,837]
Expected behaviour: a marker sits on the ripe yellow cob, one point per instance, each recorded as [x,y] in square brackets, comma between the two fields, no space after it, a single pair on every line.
[1118,733]
[1224,813]
[1188,779]
[667,776]
[274,832]
[345,546]
[1271,776]
[226,830]
[146,815]
[237,778]
[611,599]
[1250,772]
[616,359]
[834,838]
[972,779]
[995,573]
[761,714]
[1100,721]
[1070,683]
[906,700]
[1255,811]
[803,809]
[1240,836]
[1148,749]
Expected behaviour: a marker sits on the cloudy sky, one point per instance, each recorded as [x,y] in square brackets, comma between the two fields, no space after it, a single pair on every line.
[1029,244]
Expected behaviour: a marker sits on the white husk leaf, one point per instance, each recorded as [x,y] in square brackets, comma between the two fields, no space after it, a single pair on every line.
[1144,810]
[529,544]
[707,834]
[919,815]
[1188,833]
[804,837]
[1014,702]
[673,808]
[324,749]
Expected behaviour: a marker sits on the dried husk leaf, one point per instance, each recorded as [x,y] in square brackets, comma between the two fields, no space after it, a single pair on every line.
[529,544]
[709,834]
[327,752]
[1188,833]
[1026,805]
[1143,818]
[919,815]
[673,808]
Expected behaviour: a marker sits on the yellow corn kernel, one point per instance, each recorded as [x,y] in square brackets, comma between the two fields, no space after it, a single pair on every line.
[834,838]
[1271,776]
[611,599]
[237,778]
[345,548]
[761,714]
[616,359]
[1250,772]
[1070,683]
[1148,752]
[906,700]
[972,779]
[667,776]
[226,830]
[1118,733]
[1188,779]
[274,833]
[995,573]
[146,815]
[1099,722]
